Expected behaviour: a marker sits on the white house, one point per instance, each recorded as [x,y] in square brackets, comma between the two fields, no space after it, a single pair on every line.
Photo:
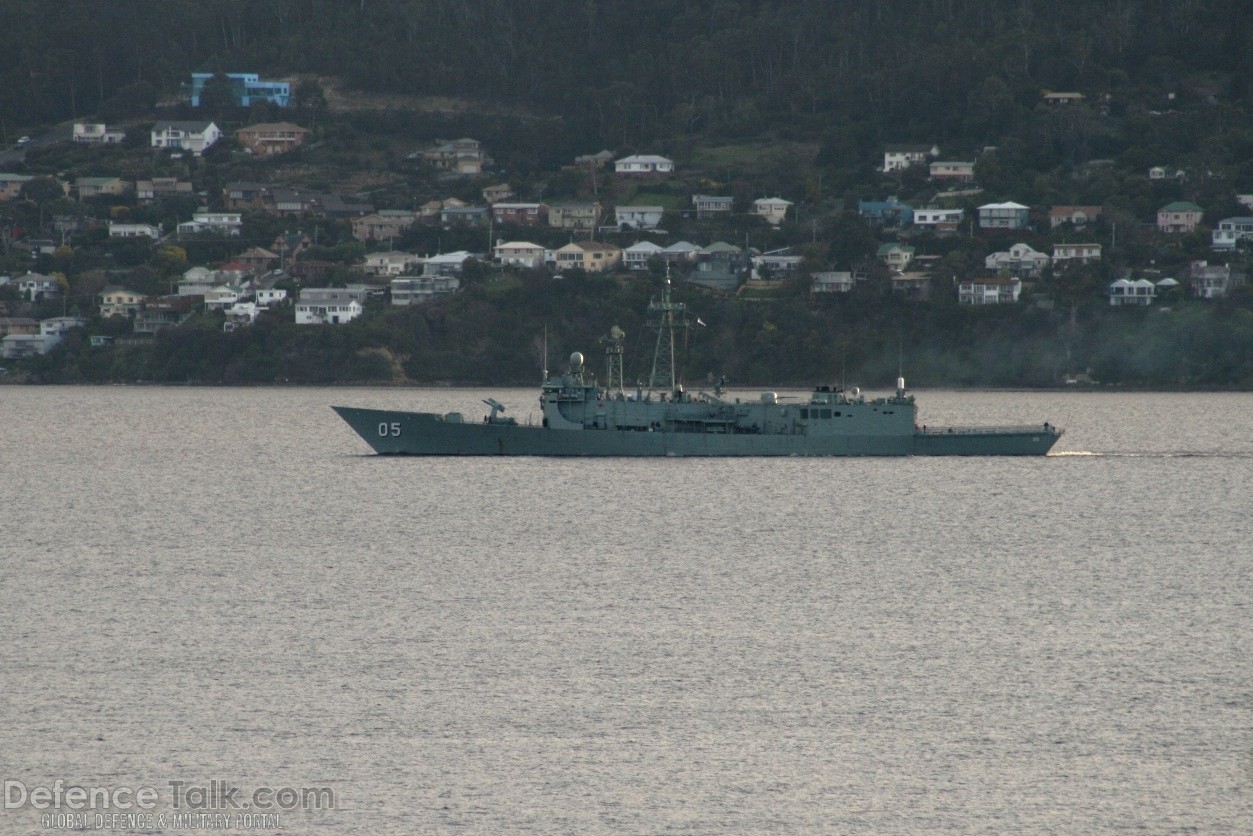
[637,217]
[241,315]
[1125,292]
[117,230]
[36,287]
[1008,215]
[897,157]
[952,171]
[221,297]
[774,265]
[227,224]
[638,164]
[519,253]
[60,324]
[16,346]
[270,296]
[1082,253]
[195,137]
[989,291]
[391,263]
[680,252]
[940,220]
[773,209]
[414,290]
[446,264]
[97,133]
[637,256]
[327,306]
[833,281]
[1020,259]
[712,205]
[1231,231]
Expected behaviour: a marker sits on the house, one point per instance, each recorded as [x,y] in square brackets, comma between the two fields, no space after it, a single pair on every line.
[11,185]
[241,315]
[19,325]
[163,312]
[643,165]
[712,206]
[638,255]
[774,265]
[222,296]
[100,340]
[1180,216]
[147,191]
[36,287]
[679,253]
[1008,215]
[60,324]
[335,206]
[246,88]
[291,245]
[268,296]
[574,215]
[890,212]
[446,264]
[832,281]
[773,209]
[952,171]
[1138,293]
[195,137]
[96,133]
[257,258]
[592,256]
[990,290]
[721,266]
[938,220]
[1020,259]
[1081,253]
[414,290]
[1230,232]
[17,346]
[101,187]
[391,263]
[597,160]
[227,224]
[519,253]
[460,156]
[118,301]
[382,226]
[498,193]
[117,230]
[520,214]
[637,217]
[294,202]
[913,286]
[242,195]
[1076,216]
[898,157]
[269,138]
[474,216]
[328,306]
[196,281]
[1068,98]
[896,256]
[1212,281]
[1158,172]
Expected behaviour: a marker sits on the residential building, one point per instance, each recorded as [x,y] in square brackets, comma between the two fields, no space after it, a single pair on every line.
[101,187]
[241,315]
[1081,253]
[498,193]
[895,255]
[414,290]
[195,137]
[476,216]
[60,324]
[1076,216]
[228,224]
[643,165]
[391,263]
[268,296]
[17,346]
[118,301]
[679,253]
[36,287]
[241,195]
[637,217]
[117,230]
[597,160]
[890,212]
[712,206]
[269,138]
[1138,293]
[774,265]
[1008,215]
[257,258]
[721,266]
[1159,172]
[147,191]
[247,89]
[222,296]
[11,185]
[446,264]
[832,281]
[898,157]
[913,286]
[328,306]
[519,254]
[1212,281]
[1020,259]
[163,312]
[18,325]
[1180,216]
[938,220]
[1066,98]
[97,133]
[773,209]
[520,214]
[591,256]
[459,156]
[574,215]
[951,171]
[989,290]
[382,226]
[1230,232]
[638,255]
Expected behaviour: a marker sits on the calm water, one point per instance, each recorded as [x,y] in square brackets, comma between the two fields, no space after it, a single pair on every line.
[214,583]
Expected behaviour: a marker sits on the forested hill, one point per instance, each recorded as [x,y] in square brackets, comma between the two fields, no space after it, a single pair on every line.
[851,72]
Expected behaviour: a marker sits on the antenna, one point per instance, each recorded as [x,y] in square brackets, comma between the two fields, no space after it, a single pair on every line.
[544,361]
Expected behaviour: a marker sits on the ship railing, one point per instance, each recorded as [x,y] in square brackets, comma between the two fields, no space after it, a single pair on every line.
[1006,429]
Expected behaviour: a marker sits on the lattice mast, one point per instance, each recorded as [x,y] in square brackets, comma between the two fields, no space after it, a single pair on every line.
[666,316]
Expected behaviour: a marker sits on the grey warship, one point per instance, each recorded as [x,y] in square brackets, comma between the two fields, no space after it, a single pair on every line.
[584,418]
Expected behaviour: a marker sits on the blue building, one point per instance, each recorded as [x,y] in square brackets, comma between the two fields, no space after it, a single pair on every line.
[247,87]
[890,212]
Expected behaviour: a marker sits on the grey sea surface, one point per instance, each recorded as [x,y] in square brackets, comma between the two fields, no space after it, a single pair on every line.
[201,584]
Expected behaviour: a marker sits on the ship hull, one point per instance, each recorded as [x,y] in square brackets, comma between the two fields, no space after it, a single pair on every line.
[391,432]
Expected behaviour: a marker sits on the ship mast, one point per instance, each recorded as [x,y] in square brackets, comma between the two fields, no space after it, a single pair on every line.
[665,315]
[613,359]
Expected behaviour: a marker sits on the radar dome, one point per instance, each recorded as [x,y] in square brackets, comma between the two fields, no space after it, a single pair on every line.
[576,360]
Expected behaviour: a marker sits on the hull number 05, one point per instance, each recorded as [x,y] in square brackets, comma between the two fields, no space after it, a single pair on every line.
[386,429]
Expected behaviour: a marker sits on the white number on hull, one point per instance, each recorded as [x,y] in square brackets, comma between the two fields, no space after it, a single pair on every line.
[386,429]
